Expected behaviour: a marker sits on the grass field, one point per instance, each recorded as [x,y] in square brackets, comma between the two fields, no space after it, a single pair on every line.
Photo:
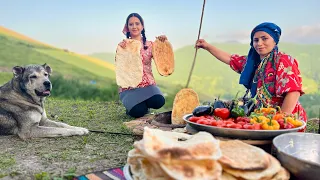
[55,157]
[71,156]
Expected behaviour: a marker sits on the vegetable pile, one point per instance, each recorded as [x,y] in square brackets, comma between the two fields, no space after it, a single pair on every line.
[243,116]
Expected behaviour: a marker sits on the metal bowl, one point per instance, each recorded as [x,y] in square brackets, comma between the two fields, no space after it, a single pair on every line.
[299,153]
[240,133]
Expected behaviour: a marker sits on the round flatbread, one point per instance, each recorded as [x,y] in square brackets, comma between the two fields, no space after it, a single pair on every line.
[128,65]
[267,173]
[283,174]
[193,169]
[239,155]
[185,101]
[226,176]
[166,146]
[163,57]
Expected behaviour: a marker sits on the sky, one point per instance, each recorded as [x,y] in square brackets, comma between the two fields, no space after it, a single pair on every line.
[85,26]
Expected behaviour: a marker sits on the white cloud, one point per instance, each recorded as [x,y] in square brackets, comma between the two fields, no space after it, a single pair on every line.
[239,36]
[303,34]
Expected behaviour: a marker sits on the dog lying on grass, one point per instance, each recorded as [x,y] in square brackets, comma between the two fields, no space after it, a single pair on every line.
[22,109]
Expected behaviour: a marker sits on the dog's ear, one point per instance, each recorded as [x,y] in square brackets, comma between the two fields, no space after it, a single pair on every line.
[47,68]
[17,70]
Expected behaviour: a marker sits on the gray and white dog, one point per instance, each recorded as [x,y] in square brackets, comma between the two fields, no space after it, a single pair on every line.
[22,109]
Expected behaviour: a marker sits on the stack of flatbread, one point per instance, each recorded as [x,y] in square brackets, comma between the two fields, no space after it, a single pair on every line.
[243,161]
[171,155]
[163,57]
[126,58]
[184,103]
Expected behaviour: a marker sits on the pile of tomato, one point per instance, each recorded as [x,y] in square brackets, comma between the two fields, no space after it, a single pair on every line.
[238,123]
[260,119]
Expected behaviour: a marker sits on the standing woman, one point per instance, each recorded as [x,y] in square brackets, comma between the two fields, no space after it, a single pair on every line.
[147,94]
[273,75]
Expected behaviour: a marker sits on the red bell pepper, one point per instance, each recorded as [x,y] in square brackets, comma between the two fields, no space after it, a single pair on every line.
[223,113]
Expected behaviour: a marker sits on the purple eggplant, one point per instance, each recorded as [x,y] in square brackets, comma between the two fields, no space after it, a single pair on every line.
[203,110]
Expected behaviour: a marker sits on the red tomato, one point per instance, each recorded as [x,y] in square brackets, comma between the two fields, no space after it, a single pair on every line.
[247,126]
[208,117]
[214,123]
[223,113]
[229,122]
[241,123]
[243,119]
[221,123]
[257,126]
[203,121]
[194,119]
[236,126]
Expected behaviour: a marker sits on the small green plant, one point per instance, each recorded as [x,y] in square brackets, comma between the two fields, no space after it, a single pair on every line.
[42,176]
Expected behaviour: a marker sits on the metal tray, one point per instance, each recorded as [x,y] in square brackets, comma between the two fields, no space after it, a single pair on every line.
[240,133]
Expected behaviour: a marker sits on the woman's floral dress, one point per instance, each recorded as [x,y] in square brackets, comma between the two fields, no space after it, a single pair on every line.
[275,77]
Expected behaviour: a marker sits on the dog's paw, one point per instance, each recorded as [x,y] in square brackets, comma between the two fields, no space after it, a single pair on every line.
[83,130]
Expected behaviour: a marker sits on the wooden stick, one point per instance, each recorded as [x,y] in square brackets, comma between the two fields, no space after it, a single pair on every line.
[195,54]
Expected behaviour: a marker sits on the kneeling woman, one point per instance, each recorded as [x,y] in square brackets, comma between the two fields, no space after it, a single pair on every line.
[137,101]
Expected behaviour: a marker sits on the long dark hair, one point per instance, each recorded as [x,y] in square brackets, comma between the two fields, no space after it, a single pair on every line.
[144,38]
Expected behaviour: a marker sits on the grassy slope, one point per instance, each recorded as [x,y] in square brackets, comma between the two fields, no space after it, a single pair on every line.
[13,53]
[108,57]
[79,62]
[17,47]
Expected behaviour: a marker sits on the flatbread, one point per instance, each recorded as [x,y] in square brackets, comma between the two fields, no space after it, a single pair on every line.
[166,146]
[193,169]
[163,57]
[152,170]
[283,174]
[185,101]
[226,176]
[267,173]
[242,156]
[128,65]
[143,167]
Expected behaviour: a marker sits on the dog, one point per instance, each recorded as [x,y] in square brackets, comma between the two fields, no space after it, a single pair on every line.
[22,109]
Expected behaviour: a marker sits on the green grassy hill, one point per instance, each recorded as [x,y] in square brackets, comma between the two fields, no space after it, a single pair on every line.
[108,57]
[16,49]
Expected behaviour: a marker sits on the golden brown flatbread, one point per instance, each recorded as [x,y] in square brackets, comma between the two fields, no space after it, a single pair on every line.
[239,155]
[267,173]
[128,65]
[226,176]
[193,169]
[283,174]
[163,56]
[184,103]
[168,146]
